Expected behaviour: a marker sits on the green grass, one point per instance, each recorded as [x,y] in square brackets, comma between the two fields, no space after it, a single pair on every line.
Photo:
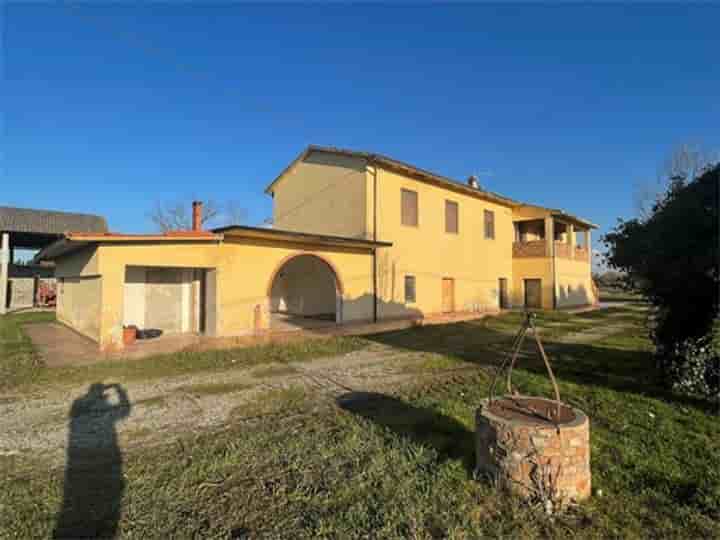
[19,361]
[292,465]
[619,295]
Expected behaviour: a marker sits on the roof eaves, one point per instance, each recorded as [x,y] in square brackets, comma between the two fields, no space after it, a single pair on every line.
[564,215]
[392,163]
[287,169]
[241,230]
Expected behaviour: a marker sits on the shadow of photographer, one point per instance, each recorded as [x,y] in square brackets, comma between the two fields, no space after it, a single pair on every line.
[94,480]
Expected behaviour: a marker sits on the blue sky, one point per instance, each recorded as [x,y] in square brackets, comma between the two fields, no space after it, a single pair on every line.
[108,109]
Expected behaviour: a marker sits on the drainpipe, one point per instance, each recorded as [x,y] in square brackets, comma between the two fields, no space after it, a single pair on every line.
[371,160]
[554,268]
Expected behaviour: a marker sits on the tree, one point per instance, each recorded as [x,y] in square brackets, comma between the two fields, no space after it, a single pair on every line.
[686,162]
[177,215]
[672,257]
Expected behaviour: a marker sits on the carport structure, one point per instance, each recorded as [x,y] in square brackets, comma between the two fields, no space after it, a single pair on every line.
[26,228]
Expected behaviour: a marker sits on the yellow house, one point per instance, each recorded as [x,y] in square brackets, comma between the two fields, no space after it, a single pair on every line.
[356,237]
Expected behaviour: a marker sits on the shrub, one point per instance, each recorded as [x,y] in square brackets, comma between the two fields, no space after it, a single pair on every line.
[672,257]
[694,368]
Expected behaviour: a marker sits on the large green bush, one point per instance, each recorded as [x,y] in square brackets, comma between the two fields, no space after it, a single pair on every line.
[672,256]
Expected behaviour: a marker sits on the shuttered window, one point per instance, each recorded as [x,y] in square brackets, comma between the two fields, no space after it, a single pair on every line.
[410,288]
[451,217]
[489,224]
[409,207]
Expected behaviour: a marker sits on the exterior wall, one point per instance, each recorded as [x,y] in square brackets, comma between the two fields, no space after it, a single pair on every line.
[304,286]
[430,254]
[239,282]
[574,283]
[21,291]
[79,292]
[324,194]
[83,262]
[78,304]
[525,212]
[134,296]
[532,268]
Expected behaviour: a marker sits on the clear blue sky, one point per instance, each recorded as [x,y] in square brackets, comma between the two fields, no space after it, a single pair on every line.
[109,109]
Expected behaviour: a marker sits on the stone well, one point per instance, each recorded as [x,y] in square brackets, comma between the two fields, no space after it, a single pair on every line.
[528,454]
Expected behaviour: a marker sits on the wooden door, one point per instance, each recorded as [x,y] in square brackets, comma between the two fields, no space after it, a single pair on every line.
[448,295]
[533,293]
[503,292]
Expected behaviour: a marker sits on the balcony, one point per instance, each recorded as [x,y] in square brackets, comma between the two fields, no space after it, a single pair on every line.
[531,235]
[536,248]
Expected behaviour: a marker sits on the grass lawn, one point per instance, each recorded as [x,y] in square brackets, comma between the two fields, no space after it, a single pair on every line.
[18,361]
[400,465]
[619,295]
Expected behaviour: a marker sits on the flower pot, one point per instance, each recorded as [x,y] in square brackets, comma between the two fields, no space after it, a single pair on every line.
[129,334]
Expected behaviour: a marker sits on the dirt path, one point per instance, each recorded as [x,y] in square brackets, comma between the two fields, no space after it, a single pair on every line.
[177,405]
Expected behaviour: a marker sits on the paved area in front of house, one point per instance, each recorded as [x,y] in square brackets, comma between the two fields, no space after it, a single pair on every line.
[60,346]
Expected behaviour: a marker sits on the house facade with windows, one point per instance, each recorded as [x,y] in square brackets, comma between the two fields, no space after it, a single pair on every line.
[455,247]
[356,237]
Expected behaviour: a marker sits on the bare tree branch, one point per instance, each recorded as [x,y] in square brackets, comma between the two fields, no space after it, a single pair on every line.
[177,215]
[686,162]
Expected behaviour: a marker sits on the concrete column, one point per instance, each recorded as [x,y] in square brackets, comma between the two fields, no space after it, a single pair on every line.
[549,236]
[571,239]
[588,246]
[4,263]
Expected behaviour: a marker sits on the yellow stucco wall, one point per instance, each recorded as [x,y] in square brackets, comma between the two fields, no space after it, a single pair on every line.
[430,254]
[79,292]
[529,211]
[243,273]
[532,268]
[83,262]
[78,304]
[574,283]
[324,194]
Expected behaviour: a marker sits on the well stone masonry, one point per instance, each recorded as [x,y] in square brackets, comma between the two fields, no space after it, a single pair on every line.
[533,457]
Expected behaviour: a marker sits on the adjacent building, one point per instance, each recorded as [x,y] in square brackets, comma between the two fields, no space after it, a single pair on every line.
[33,229]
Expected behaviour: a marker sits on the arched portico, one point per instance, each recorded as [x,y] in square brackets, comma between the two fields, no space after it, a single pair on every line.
[304,291]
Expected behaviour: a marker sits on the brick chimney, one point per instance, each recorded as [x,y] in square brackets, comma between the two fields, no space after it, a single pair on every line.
[197,216]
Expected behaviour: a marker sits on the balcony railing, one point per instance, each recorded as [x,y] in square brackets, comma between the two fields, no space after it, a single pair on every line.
[562,250]
[535,248]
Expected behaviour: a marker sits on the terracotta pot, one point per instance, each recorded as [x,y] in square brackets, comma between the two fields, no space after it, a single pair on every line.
[129,334]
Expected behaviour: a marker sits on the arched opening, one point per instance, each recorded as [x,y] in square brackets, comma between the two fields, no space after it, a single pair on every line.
[304,292]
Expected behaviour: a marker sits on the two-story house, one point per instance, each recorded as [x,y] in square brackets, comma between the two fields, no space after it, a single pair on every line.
[455,247]
[355,237]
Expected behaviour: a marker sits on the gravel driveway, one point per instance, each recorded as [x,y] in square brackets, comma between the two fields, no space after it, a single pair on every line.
[163,409]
